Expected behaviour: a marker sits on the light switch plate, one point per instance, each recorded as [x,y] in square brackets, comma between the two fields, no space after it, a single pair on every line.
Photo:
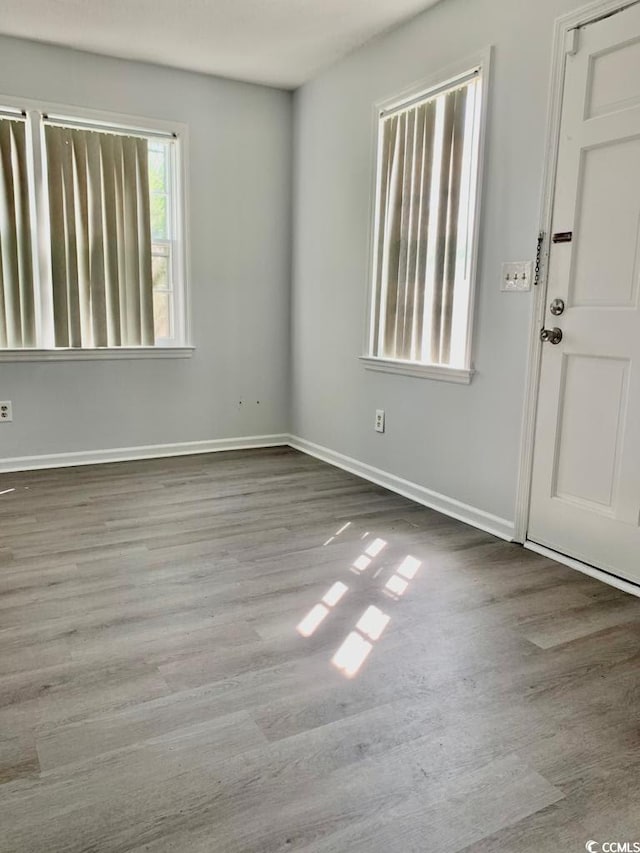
[516,276]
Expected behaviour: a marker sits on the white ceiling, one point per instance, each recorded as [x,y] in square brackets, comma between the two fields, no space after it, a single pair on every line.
[277,42]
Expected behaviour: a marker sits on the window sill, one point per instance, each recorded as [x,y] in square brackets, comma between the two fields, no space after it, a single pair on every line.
[461,376]
[94,354]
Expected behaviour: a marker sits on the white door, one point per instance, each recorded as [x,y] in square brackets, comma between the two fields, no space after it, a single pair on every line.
[585,499]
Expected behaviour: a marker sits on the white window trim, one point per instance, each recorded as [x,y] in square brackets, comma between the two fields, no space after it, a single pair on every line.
[95,353]
[459,375]
[440,80]
[185,345]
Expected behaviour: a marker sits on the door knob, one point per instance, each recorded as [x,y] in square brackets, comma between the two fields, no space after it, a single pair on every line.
[557,307]
[553,336]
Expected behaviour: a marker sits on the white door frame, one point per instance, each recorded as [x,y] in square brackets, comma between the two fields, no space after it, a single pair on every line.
[563,43]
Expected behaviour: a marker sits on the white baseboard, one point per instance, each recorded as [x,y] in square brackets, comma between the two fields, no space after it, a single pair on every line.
[493,524]
[448,506]
[151,451]
[605,577]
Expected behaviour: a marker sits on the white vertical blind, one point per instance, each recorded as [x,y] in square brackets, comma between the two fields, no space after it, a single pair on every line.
[425,202]
[17,303]
[100,238]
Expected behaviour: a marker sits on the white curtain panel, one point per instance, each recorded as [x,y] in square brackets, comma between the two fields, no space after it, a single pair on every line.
[17,314]
[100,238]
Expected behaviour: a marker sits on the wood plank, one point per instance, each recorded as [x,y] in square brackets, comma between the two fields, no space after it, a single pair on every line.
[156,693]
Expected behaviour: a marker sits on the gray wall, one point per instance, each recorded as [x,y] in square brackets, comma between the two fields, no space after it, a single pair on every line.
[240,159]
[461,441]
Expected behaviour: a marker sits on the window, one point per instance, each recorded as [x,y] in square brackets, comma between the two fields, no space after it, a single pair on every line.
[163,237]
[91,254]
[427,185]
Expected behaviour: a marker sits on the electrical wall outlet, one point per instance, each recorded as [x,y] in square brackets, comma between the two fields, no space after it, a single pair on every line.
[516,276]
[6,411]
[379,420]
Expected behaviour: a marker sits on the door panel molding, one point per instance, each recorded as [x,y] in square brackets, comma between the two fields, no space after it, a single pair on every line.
[566,483]
[600,66]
